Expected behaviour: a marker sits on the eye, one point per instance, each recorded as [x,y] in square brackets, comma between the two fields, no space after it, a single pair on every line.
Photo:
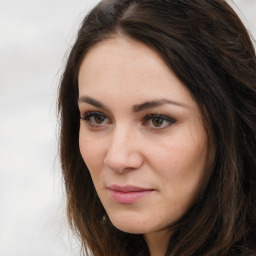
[158,121]
[95,119]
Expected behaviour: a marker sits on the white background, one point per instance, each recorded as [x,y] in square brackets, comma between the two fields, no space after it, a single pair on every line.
[34,37]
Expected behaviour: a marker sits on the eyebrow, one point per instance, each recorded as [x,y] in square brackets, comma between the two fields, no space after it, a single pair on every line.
[91,101]
[156,103]
[135,108]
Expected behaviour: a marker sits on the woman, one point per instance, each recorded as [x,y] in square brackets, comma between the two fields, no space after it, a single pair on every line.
[158,130]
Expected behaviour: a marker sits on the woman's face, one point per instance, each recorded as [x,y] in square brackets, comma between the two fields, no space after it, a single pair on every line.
[141,136]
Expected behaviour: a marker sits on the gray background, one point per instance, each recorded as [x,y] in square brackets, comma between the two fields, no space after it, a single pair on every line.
[34,37]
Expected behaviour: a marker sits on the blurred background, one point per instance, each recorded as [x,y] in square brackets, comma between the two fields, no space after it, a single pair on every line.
[35,36]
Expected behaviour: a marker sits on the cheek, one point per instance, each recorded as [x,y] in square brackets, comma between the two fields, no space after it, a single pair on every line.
[92,151]
[178,156]
[180,164]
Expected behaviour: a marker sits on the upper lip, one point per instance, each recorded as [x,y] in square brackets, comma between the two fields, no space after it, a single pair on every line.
[128,188]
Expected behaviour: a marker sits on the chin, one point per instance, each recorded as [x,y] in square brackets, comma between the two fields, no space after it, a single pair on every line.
[130,223]
[129,228]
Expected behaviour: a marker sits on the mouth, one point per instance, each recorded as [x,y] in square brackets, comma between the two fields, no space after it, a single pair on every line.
[128,194]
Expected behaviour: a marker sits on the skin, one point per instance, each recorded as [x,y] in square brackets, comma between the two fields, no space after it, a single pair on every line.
[121,144]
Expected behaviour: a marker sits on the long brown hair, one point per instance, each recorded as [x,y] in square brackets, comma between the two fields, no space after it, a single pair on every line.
[207,46]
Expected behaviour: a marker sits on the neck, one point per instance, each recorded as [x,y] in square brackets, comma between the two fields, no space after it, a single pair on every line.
[158,242]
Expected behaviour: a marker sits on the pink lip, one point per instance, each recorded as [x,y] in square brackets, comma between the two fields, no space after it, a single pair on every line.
[128,194]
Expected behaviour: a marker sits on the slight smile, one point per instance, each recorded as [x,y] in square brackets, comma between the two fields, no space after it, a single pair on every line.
[128,194]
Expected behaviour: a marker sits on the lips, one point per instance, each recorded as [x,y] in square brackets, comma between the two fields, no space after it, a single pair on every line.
[128,194]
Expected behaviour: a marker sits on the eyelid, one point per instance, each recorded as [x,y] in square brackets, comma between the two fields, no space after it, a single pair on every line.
[168,119]
[160,116]
[86,117]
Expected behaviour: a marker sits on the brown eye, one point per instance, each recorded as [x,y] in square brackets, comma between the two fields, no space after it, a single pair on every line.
[157,121]
[96,119]
[99,119]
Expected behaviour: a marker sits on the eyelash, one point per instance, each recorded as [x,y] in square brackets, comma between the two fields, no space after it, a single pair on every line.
[86,117]
[169,121]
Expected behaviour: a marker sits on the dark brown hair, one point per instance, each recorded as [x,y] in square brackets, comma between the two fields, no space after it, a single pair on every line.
[206,45]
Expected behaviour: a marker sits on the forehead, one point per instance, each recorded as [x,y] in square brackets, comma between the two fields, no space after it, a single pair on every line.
[122,67]
[122,56]
[127,72]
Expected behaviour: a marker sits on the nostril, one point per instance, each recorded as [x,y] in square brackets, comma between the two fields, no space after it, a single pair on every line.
[115,163]
[121,163]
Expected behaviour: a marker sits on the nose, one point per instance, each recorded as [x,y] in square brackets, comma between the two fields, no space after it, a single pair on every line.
[123,152]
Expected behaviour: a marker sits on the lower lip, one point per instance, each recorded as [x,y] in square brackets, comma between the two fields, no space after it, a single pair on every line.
[131,197]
